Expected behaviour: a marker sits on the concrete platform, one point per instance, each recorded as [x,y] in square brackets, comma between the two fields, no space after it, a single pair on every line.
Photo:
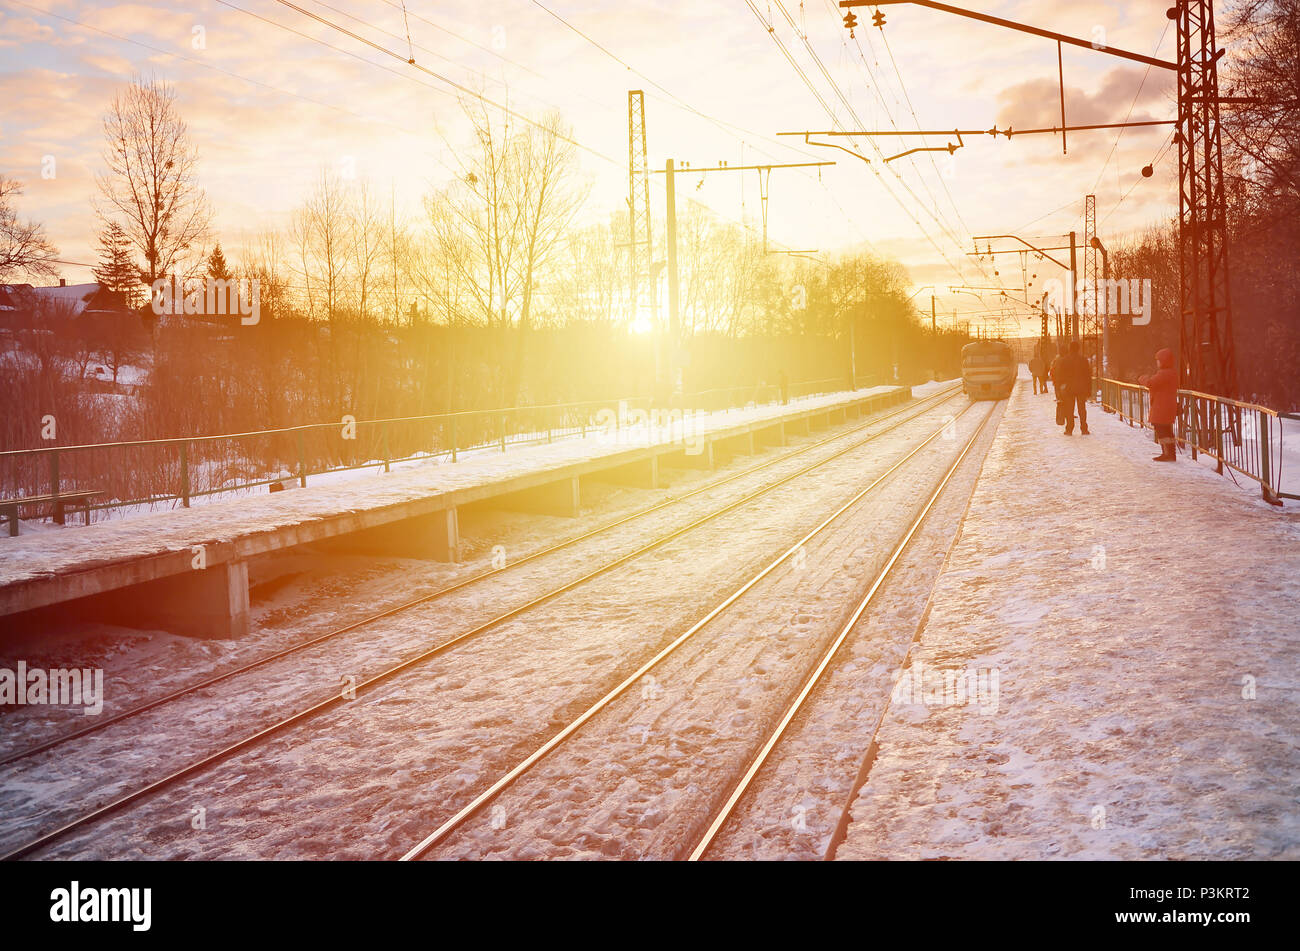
[186,569]
[1108,669]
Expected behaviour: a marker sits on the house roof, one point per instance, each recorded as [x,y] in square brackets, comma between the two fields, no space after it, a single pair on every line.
[11,295]
[73,296]
[78,298]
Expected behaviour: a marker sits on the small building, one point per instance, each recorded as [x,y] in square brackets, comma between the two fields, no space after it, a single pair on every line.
[75,300]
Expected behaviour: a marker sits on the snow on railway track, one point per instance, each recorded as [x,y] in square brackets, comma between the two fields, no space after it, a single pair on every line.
[641,773]
[267,696]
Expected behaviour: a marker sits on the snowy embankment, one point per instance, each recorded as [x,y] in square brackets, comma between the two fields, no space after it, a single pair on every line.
[259,475]
[152,533]
[1140,620]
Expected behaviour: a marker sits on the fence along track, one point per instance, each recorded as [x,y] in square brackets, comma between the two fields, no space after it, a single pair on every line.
[182,468]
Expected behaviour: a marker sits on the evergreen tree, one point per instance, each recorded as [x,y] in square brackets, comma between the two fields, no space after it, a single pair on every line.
[116,270]
[218,269]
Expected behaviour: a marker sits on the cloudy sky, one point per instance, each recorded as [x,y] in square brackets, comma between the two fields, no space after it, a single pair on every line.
[272,97]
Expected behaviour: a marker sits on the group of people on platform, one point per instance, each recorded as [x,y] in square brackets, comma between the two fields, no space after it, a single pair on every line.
[1071,377]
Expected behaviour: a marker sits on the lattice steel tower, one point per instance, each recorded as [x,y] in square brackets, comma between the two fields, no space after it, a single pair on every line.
[1205,325]
[1092,303]
[639,249]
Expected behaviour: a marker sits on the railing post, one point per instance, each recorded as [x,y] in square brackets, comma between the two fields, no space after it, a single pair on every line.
[503,430]
[1264,436]
[453,438]
[1218,439]
[302,463]
[387,454]
[185,473]
[54,486]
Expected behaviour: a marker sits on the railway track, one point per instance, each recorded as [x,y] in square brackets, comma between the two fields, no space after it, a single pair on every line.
[485,798]
[814,678]
[901,416]
[191,689]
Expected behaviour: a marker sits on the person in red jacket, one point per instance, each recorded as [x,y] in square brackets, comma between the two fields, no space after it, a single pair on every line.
[1163,385]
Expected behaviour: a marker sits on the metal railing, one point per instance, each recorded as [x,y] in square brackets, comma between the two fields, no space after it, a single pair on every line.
[1242,436]
[145,473]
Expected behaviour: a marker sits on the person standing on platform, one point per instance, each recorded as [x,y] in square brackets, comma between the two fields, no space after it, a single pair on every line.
[1073,379]
[1038,372]
[1163,385]
[1054,371]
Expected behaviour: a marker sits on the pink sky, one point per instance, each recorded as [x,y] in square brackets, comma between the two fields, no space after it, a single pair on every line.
[268,108]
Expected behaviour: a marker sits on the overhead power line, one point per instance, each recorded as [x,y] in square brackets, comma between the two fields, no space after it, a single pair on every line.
[875,85]
[803,76]
[434,74]
[447,80]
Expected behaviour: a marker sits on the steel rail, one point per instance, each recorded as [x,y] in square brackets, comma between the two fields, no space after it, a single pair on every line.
[341,697]
[814,678]
[180,692]
[555,741]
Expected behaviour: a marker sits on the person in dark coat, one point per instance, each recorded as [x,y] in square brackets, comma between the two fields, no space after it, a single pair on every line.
[1163,385]
[1038,371]
[1073,379]
[1058,385]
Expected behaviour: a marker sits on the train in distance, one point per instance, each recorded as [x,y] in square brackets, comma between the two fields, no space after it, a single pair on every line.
[988,369]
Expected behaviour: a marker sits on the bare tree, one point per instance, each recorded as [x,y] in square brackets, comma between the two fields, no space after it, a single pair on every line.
[151,186]
[117,342]
[323,233]
[720,264]
[1264,127]
[548,197]
[502,223]
[398,255]
[592,283]
[264,262]
[367,229]
[24,249]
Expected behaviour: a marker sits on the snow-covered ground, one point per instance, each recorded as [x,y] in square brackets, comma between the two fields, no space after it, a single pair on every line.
[386,766]
[792,808]
[1129,629]
[1141,622]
